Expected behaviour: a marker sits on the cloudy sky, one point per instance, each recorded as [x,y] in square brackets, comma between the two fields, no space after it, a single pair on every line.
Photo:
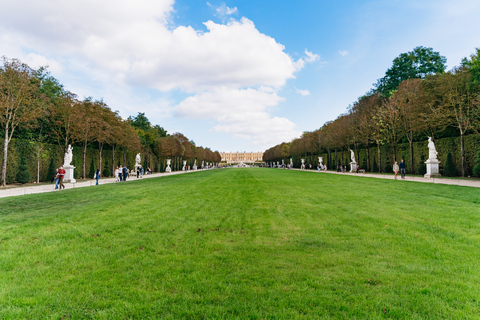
[231,75]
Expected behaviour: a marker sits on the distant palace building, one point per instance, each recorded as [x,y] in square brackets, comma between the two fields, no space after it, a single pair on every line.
[237,157]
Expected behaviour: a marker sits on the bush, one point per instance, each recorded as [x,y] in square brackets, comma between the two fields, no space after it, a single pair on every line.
[388,168]
[476,167]
[374,166]
[51,169]
[449,170]
[363,166]
[107,172]
[422,167]
[91,173]
[23,175]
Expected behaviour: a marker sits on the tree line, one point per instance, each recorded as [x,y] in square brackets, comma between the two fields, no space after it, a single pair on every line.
[415,99]
[35,107]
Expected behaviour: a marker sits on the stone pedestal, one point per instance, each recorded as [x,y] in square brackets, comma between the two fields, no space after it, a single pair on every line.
[353,166]
[168,169]
[69,177]
[432,168]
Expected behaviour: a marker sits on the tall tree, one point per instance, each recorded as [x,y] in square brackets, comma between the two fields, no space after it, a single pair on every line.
[85,128]
[412,111]
[365,125]
[457,102]
[19,105]
[473,65]
[64,116]
[411,65]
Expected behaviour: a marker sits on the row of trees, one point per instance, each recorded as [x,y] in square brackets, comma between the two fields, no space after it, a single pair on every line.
[35,106]
[415,99]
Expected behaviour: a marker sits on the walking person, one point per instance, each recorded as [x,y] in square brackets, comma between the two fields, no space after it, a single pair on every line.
[395,169]
[116,174]
[97,176]
[120,173]
[124,173]
[61,175]
[56,179]
[402,169]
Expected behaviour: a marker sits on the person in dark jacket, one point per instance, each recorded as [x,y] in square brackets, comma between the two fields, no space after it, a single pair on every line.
[97,176]
[402,168]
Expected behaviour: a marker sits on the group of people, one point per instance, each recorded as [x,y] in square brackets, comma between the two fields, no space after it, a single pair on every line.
[122,173]
[399,167]
[58,178]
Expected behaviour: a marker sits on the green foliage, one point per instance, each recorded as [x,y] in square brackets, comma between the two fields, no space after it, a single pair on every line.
[364,164]
[374,165]
[449,170]
[91,173]
[411,65]
[473,64]
[388,168]
[422,167]
[51,169]
[106,171]
[23,175]
[476,167]
[140,122]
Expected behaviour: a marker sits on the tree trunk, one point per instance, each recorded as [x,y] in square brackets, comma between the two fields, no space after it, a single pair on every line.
[368,158]
[336,162]
[379,158]
[4,161]
[84,159]
[411,156]
[329,159]
[394,151]
[100,149]
[38,165]
[113,160]
[462,153]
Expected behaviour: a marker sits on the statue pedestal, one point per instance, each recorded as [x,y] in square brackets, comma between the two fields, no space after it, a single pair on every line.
[353,167]
[432,168]
[69,177]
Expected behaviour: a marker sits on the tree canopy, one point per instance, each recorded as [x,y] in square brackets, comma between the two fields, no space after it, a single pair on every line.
[416,64]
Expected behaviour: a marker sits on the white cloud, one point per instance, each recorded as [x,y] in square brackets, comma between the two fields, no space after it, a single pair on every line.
[303,92]
[241,112]
[311,57]
[124,44]
[344,53]
[223,11]
[36,61]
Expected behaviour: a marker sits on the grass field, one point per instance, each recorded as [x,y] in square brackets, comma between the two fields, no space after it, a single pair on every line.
[243,244]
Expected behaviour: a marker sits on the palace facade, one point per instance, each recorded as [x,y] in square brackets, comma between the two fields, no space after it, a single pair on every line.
[245,157]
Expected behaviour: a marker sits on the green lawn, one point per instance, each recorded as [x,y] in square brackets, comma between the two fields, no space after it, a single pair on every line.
[245,244]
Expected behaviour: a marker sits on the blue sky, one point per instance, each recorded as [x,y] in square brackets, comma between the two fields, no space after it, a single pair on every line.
[231,75]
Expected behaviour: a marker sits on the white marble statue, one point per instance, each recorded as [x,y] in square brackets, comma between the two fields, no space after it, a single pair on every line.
[69,168]
[168,169]
[432,152]
[352,155]
[67,160]
[433,165]
[291,161]
[138,160]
